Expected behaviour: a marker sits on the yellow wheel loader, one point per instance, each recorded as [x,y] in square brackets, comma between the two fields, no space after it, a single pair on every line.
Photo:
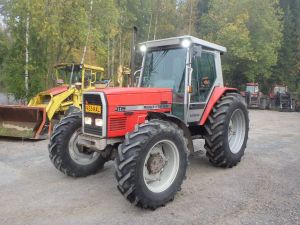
[35,121]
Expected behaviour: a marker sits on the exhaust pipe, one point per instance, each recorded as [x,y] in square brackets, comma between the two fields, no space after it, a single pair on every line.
[132,61]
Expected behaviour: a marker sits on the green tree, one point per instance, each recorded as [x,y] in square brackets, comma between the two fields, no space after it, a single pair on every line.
[288,68]
[57,33]
[251,30]
[4,45]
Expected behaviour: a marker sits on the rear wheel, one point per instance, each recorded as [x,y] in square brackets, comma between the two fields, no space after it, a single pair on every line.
[65,152]
[151,164]
[227,131]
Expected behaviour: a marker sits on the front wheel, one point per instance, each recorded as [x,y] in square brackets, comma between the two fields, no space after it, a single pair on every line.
[65,152]
[227,131]
[151,164]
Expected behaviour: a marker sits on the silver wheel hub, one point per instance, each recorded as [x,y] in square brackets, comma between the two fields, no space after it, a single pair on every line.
[161,166]
[80,154]
[155,163]
[236,131]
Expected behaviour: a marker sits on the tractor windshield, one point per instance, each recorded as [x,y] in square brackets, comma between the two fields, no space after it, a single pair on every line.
[165,68]
[280,89]
[252,89]
[65,74]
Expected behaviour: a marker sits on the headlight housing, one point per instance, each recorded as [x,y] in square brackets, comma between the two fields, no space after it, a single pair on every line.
[88,120]
[99,122]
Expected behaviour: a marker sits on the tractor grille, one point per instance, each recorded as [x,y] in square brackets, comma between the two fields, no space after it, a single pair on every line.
[93,99]
[117,123]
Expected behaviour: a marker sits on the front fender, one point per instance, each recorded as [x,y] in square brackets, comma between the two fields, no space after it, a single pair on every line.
[176,120]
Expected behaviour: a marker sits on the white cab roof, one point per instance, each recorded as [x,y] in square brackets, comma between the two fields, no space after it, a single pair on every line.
[177,41]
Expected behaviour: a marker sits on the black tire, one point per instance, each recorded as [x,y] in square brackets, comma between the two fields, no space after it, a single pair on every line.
[72,109]
[216,139]
[59,149]
[131,157]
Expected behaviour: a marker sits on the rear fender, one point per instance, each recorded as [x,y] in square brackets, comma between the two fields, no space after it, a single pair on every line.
[218,92]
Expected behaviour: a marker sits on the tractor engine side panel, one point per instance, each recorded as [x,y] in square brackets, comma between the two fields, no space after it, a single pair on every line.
[127,110]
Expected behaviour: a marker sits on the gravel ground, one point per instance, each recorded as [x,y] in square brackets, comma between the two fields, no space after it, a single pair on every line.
[263,189]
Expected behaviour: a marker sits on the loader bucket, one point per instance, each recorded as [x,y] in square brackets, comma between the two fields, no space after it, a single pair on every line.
[22,121]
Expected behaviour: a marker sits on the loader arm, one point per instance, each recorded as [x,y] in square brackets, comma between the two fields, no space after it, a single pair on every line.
[57,102]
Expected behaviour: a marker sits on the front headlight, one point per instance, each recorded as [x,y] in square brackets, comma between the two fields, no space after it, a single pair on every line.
[88,120]
[99,122]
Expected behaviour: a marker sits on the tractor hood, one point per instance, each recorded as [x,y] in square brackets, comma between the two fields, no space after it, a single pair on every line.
[56,90]
[121,91]
[138,98]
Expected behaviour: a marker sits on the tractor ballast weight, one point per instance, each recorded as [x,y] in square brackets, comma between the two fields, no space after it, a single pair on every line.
[35,121]
[148,130]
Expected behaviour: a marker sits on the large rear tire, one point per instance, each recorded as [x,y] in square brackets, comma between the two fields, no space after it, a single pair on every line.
[227,131]
[65,153]
[151,164]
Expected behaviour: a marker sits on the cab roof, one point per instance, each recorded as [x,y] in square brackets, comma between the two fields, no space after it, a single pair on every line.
[86,66]
[177,41]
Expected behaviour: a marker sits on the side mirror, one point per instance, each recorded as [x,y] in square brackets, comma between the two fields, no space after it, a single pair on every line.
[190,87]
[136,76]
[197,51]
[190,71]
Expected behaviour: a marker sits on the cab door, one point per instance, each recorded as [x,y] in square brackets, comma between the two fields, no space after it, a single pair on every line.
[202,80]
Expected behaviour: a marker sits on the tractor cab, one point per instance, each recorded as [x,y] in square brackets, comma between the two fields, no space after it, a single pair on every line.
[282,89]
[252,88]
[187,65]
[82,75]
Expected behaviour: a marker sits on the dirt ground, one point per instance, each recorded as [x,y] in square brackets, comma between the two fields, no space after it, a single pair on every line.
[263,189]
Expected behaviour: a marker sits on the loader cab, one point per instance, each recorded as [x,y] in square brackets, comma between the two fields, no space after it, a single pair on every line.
[189,66]
[84,75]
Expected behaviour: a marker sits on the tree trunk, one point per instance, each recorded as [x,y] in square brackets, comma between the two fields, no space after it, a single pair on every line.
[108,58]
[27,56]
[191,17]
[156,18]
[112,58]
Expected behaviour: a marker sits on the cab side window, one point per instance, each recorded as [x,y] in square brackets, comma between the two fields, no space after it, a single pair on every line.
[87,78]
[203,76]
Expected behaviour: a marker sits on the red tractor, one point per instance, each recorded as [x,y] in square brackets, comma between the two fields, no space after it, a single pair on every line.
[254,98]
[148,130]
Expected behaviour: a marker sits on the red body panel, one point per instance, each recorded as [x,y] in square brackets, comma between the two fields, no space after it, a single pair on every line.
[56,90]
[216,95]
[119,123]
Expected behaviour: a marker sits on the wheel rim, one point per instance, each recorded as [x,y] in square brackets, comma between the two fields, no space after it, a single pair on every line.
[161,166]
[78,154]
[236,131]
